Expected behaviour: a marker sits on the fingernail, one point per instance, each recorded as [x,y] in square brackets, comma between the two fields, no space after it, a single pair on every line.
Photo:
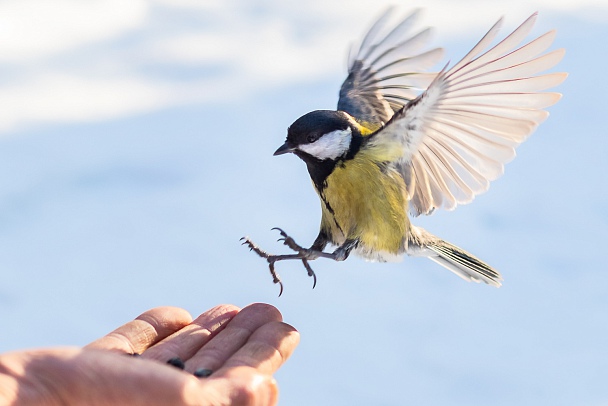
[177,362]
[202,373]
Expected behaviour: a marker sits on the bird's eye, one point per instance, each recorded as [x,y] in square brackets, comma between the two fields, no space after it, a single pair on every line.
[311,138]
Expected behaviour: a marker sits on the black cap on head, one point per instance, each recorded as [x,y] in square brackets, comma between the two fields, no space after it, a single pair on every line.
[310,127]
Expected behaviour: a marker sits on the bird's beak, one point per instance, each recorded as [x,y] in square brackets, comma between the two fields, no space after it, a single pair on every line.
[284,149]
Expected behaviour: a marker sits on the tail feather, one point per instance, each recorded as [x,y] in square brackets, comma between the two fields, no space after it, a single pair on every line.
[464,264]
[455,259]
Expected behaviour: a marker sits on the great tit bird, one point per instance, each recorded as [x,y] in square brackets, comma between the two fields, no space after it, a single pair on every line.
[388,150]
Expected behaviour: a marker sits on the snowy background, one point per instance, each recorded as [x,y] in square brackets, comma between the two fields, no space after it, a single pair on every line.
[136,144]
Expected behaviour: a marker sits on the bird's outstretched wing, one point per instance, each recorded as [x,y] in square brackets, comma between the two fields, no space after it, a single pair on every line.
[457,135]
[387,70]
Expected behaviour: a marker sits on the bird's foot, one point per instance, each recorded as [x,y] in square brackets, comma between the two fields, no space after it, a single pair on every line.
[303,254]
[269,257]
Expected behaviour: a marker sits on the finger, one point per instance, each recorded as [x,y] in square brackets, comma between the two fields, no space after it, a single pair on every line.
[184,343]
[148,328]
[213,355]
[266,350]
[240,386]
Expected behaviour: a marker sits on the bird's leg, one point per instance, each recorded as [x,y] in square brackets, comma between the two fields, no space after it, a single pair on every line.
[303,254]
[306,254]
[316,250]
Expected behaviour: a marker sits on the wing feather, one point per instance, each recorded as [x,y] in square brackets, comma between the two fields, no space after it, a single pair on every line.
[483,43]
[458,134]
[516,71]
[410,45]
[510,41]
[367,45]
[515,100]
[387,70]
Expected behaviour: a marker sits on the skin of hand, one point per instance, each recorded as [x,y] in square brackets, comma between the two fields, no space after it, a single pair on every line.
[243,348]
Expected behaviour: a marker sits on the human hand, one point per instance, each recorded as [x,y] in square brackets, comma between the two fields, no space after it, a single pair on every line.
[243,348]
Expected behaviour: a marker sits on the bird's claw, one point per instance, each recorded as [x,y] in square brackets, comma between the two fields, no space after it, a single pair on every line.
[255,248]
[281,286]
[291,243]
[310,272]
[275,277]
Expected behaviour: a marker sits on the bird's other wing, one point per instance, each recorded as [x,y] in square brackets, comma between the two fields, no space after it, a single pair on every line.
[458,134]
[387,70]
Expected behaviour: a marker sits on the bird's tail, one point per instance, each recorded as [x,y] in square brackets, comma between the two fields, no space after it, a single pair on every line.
[457,260]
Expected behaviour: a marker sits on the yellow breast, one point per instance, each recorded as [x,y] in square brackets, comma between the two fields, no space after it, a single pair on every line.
[366,200]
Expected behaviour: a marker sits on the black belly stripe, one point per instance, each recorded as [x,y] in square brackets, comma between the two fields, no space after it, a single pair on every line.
[331,211]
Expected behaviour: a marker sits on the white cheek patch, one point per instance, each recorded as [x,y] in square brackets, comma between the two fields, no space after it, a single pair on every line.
[329,146]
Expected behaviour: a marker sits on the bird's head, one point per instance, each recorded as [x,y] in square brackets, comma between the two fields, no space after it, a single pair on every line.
[320,135]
